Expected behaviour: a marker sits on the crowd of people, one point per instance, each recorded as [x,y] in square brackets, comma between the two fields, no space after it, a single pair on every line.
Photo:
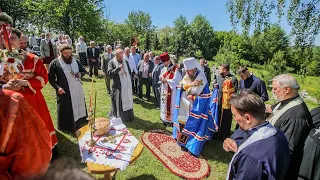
[270,142]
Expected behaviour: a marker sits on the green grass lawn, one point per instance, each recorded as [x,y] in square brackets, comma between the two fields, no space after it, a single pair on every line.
[147,118]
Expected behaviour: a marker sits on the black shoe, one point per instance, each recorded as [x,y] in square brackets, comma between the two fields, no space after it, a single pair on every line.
[184,149]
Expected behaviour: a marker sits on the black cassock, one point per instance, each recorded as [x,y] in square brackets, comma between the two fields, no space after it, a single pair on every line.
[225,116]
[65,116]
[295,124]
[116,107]
[310,166]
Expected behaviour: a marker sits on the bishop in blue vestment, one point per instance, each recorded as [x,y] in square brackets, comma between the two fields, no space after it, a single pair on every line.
[195,116]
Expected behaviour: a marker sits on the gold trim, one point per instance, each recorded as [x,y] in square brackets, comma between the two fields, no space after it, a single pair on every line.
[30,87]
[41,80]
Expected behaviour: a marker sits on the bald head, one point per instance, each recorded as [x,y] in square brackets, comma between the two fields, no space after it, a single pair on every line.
[127,51]
[23,42]
[146,57]
[119,55]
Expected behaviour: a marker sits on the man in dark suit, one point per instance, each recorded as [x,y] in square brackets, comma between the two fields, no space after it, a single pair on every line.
[105,58]
[145,68]
[155,79]
[93,58]
[206,69]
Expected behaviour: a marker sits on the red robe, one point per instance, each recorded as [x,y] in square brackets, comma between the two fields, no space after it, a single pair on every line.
[25,146]
[37,75]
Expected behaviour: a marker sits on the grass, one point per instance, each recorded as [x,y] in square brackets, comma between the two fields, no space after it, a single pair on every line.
[146,118]
[148,167]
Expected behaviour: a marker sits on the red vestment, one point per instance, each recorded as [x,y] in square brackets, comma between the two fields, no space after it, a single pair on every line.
[37,75]
[25,146]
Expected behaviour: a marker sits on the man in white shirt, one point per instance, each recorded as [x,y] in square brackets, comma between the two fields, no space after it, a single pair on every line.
[32,41]
[136,57]
[132,64]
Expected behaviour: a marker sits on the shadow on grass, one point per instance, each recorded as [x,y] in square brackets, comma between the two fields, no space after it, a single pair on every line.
[144,177]
[145,125]
[150,105]
[213,150]
[68,150]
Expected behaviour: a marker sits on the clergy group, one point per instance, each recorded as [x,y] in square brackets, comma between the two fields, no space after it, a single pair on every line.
[270,142]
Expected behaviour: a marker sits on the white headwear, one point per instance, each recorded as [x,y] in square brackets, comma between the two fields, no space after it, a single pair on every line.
[191,63]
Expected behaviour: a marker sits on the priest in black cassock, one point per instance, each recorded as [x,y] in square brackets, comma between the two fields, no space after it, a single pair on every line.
[65,74]
[310,166]
[292,117]
[225,115]
[121,93]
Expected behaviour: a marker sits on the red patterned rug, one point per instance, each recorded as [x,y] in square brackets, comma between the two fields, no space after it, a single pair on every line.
[180,163]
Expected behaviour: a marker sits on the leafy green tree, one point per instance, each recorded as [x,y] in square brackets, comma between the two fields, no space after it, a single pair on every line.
[156,43]
[166,36]
[17,10]
[181,39]
[147,42]
[302,16]
[202,36]
[139,22]
[267,43]
[275,66]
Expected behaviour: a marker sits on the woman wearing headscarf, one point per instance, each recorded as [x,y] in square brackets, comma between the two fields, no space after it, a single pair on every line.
[81,50]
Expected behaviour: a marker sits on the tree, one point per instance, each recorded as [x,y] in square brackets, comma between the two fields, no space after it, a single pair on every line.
[302,16]
[17,10]
[147,42]
[156,43]
[275,66]
[202,36]
[166,36]
[118,31]
[139,22]
[266,44]
[181,39]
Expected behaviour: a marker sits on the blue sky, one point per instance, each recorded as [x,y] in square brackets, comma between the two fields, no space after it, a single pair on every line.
[164,12]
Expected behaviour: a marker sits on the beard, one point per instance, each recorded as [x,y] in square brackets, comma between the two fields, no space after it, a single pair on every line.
[67,60]
[192,77]
[278,99]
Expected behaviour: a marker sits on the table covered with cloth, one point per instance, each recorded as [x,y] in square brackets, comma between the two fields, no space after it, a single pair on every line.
[116,154]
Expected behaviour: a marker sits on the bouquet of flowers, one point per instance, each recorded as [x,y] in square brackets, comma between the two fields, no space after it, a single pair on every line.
[10,61]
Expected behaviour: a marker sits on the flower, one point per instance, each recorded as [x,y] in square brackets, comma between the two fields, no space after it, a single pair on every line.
[10,60]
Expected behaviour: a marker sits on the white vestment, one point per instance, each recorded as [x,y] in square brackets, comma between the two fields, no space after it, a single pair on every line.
[185,103]
[126,86]
[75,88]
[172,83]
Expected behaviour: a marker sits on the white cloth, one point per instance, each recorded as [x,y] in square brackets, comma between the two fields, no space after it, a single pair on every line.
[126,87]
[132,64]
[262,133]
[276,114]
[81,47]
[75,88]
[172,83]
[155,67]
[93,50]
[185,103]
[117,155]
[191,63]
